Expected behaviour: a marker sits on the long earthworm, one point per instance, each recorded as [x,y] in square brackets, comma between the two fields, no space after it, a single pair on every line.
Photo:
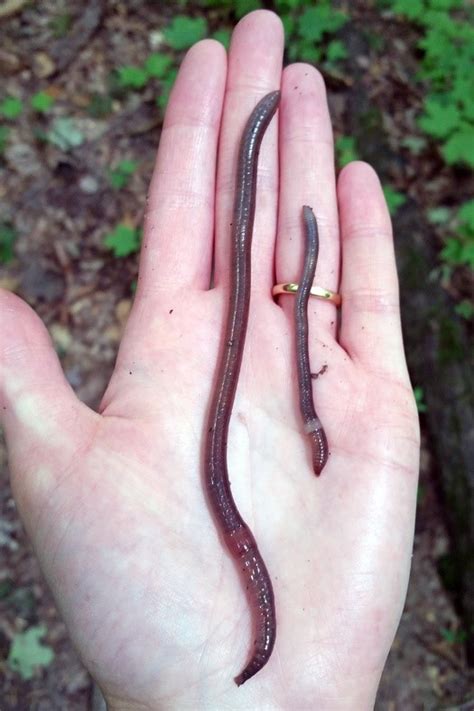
[236,534]
[312,423]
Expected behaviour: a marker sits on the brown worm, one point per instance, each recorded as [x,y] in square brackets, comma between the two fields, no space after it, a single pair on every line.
[235,532]
[312,423]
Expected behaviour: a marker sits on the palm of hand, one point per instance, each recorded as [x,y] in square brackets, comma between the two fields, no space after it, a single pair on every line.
[125,536]
[115,503]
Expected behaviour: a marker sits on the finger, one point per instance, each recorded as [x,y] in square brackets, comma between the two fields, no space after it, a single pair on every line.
[177,245]
[307,178]
[370,318]
[255,61]
[39,412]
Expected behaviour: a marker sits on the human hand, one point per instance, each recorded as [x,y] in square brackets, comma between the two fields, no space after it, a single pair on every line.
[114,502]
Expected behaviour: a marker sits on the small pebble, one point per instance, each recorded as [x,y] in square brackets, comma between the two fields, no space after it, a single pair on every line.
[88,184]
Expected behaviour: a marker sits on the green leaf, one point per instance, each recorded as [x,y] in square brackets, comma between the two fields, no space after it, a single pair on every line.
[467,254]
[283,6]
[8,236]
[65,134]
[463,92]
[223,36]
[157,65]
[453,636]
[306,51]
[4,131]
[184,31]
[27,653]
[346,150]
[336,51]
[465,309]
[210,3]
[439,120]
[451,251]
[242,7]
[11,107]
[121,174]
[130,77]
[289,24]
[41,101]
[60,25]
[419,399]
[446,4]
[412,9]
[466,214]
[439,215]
[100,105]
[314,22]
[394,199]
[127,166]
[460,147]
[118,180]
[459,250]
[123,240]
[166,86]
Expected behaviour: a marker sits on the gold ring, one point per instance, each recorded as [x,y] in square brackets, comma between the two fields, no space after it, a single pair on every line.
[317,291]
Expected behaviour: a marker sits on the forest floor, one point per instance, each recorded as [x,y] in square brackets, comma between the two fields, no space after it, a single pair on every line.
[61,204]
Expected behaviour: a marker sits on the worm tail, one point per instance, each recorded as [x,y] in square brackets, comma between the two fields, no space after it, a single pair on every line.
[319,449]
[243,548]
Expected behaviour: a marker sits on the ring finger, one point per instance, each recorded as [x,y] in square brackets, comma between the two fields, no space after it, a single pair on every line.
[307,177]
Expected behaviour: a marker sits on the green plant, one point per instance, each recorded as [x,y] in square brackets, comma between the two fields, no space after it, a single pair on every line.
[60,25]
[223,36]
[41,101]
[157,65]
[183,31]
[65,134]
[131,77]
[447,44]
[307,26]
[420,494]
[459,249]
[11,107]
[453,636]
[123,240]
[394,199]
[166,86]
[439,215]
[28,653]
[121,174]
[242,7]
[100,105]
[308,30]
[4,131]
[465,309]
[419,399]
[346,150]
[8,236]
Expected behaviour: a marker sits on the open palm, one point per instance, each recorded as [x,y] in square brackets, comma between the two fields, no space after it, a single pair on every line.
[114,502]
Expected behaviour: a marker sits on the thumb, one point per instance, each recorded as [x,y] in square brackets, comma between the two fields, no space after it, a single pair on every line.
[44,422]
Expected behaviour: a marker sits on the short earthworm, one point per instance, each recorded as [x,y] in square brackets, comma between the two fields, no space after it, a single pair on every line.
[235,532]
[312,423]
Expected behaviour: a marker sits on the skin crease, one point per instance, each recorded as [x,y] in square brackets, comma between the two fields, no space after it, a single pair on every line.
[114,502]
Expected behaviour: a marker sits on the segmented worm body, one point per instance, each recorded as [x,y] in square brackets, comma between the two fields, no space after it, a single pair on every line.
[236,534]
[312,423]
